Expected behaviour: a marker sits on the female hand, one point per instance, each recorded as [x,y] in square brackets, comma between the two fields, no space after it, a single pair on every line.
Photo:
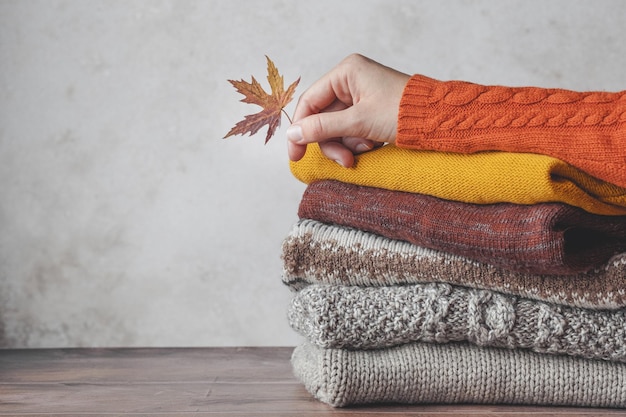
[352,109]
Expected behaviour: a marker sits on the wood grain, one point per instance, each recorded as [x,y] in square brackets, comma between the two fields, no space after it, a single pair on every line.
[191,381]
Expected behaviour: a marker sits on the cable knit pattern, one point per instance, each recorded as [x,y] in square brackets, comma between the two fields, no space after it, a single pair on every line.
[319,253]
[333,316]
[584,129]
[480,178]
[547,238]
[457,373]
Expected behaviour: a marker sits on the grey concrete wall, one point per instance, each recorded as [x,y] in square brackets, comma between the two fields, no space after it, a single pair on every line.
[125,219]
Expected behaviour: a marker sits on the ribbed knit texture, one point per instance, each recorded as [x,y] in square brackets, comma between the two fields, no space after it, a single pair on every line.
[481,178]
[457,373]
[319,253]
[584,129]
[547,238]
[334,316]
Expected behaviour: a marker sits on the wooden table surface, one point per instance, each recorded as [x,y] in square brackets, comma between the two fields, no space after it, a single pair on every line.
[188,382]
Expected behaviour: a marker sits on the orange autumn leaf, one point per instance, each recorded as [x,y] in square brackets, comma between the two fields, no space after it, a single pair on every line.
[272,104]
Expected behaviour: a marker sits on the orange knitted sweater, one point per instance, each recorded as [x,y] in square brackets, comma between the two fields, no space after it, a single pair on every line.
[584,129]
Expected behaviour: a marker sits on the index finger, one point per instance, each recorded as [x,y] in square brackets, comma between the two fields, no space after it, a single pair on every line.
[320,95]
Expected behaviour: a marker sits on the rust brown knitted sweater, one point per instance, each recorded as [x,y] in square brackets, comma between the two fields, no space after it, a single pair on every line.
[549,238]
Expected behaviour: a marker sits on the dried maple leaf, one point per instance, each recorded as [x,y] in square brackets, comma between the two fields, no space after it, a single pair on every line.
[272,104]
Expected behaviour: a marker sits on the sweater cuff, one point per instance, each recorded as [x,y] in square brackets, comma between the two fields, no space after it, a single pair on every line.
[412,114]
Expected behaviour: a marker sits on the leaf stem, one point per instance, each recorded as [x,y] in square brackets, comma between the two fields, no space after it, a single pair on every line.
[288,118]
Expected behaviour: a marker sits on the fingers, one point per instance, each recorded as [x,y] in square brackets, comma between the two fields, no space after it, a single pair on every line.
[325,126]
[338,133]
[330,91]
[327,129]
[336,151]
[359,145]
[296,144]
[295,152]
[333,150]
[317,98]
[341,151]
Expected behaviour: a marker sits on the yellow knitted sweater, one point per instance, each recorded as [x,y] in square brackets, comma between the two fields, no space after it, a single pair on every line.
[480,178]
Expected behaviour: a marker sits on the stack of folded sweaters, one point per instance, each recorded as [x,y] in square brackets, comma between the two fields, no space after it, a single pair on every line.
[435,271]
[434,277]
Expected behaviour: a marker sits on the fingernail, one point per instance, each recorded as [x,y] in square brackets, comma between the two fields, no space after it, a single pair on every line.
[340,163]
[362,147]
[294,134]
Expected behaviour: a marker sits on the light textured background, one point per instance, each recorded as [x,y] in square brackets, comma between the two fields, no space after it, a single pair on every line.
[125,220]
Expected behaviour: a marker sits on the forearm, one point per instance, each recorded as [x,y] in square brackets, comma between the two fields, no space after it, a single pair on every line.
[584,129]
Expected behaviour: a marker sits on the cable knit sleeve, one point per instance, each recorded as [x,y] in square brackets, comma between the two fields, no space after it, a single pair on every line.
[585,129]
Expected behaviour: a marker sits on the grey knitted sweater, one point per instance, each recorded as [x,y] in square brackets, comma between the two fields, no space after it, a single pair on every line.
[335,316]
[457,373]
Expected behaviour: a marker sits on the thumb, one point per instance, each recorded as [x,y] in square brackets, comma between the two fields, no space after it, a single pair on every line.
[323,127]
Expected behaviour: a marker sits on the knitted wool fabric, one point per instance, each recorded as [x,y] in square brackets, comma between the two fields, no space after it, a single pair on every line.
[457,373]
[545,238]
[584,129]
[482,178]
[319,253]
[333,316]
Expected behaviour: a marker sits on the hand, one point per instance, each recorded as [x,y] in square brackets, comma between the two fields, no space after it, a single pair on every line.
[352,109]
